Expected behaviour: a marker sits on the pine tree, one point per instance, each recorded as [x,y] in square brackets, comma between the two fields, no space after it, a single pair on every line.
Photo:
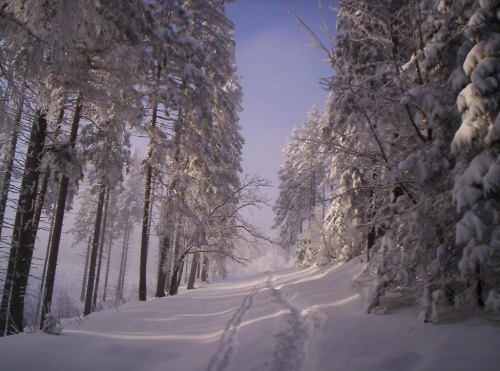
[55,33]
[58,218]
[476,148]
[204,147]
[300,194]
[128,214]
[390,154]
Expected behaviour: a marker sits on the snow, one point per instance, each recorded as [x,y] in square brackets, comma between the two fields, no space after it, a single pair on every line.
[283,320]
[484,49]
[468,228]
[482,170]
[458,80]
[493,301]
[491,181]
[495,130]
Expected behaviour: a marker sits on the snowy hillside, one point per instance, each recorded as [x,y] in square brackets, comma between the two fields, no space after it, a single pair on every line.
[285,320]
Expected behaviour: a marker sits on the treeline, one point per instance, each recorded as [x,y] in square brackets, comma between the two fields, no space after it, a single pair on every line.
[78,78]
[402,168]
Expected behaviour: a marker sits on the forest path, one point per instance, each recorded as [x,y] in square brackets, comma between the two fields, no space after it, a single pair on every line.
[264,312]
[293,320]
[289,353]
[220,360]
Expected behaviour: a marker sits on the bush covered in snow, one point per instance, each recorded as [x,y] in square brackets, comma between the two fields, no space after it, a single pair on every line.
[51,325]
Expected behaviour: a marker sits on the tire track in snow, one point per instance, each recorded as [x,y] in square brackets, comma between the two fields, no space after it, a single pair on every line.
[289,353]
[221,359]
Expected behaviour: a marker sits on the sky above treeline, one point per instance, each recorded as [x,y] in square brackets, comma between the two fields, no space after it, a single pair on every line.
[280,79]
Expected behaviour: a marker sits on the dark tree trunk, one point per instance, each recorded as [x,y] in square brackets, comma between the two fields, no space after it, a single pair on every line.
[168,271]
[10,158]
[101,249]
[41,294]
[107,268]
[162,273]
[95,247]
[479,286]
[179,279]
[204,269]
[370,241]
[86,270]
[145,234]
[192,272]
[372,233]
[24,233]
[9,167]
[146,210]
[174,280]
[123,262]
[45,183]
[125,267]
[177,274]
[59,219]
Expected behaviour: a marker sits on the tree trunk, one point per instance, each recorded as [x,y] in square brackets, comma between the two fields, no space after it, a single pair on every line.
[95,247]
[168,270]
[204,270]
[179,279]
[479,286]
[175,259]
[323,202]
[101,249]
[146,210]
[176,277]
[59,218]
[45,182]
[145,234]
[24,233]
[370,241]
[107,268]
[162,272]
[85,270]
[173,282]
[9,167]
[192,272]
[10,157]
[119,288]
[41,291]
[125,267]
[177,274]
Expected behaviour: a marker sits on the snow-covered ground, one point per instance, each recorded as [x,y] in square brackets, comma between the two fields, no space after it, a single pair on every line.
[285,320]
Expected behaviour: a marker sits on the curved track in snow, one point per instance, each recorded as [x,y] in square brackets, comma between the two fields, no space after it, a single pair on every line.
[221,359]
[289,353]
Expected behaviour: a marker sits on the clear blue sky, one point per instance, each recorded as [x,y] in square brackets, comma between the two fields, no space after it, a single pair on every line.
[280,79]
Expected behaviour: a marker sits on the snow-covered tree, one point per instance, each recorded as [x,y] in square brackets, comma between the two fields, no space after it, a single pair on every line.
[476,147]
[300,194]
[193,100]
[68,47]
[396,174]
[128,214]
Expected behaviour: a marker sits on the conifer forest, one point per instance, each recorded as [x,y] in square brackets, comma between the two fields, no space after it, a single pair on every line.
[121,148]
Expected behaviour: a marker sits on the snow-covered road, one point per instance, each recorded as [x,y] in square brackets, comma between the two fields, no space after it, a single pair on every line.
[287,320]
